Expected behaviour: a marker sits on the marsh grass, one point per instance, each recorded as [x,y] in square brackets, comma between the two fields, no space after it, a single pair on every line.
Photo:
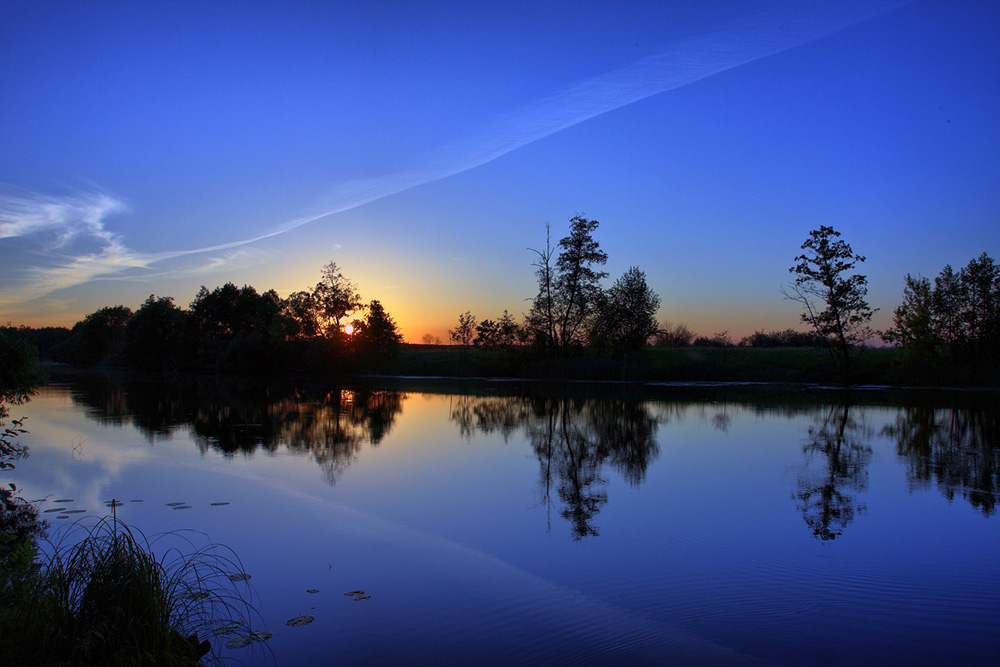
[104,598]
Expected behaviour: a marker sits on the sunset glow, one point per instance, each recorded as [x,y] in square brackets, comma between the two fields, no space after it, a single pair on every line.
[423,147]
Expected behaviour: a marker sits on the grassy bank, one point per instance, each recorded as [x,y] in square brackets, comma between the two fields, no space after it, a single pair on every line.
[689,364]
[106,599]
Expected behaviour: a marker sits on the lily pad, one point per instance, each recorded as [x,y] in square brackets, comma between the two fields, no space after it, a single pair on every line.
[240,641]
[55,509]
[64,500]
[359,598]
[261,635]
[62,516]
[74,511]
[136,500]
[312,590]
[228,627]
[300,620]
[172,504]
[239,576]
[354,593]
[182,507]
[218,504]
[114,503]
[197,595]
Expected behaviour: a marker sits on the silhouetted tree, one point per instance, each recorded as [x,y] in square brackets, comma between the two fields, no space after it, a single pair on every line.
[301,309]
[913,320]
[335,298]
[626,313]
[674,336]
[153,334]
[834,299]
[465,331]
[376,336]
[568,291]
[501,334]
[96,337]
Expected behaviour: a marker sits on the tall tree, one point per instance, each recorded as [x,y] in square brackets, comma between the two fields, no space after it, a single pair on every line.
[569,290]
[336,298]
[833,297]
[913,320]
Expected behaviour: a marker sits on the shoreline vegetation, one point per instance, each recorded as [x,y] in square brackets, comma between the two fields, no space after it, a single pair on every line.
[945,333]
[99,594]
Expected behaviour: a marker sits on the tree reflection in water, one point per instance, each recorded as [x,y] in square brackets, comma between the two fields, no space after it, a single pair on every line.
[575,440]
[837,458]
[956,448]
[240,418]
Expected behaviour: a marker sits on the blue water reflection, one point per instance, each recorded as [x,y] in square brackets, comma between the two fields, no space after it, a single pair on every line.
[494,524]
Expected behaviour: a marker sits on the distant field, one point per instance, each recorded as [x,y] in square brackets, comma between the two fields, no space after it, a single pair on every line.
[732,364]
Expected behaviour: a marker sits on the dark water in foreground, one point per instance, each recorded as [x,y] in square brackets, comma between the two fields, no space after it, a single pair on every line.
[562,525]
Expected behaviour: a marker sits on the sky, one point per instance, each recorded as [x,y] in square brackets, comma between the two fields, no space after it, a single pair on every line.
[154,147]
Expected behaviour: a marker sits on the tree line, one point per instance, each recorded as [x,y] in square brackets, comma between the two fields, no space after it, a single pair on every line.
[237,329]
[954,320]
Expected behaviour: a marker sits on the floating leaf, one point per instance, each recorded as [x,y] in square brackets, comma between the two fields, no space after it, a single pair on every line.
[62,516]
[197,595]
[354,593]
[114,503]
[55,509]
[136,500]
[228,627]
[241,641]
[182,507]
[64,500]
[74,511]
[312,590]
[300,620]
[239,576]
[173,504]
[359,598]
[261,635]
[218,504]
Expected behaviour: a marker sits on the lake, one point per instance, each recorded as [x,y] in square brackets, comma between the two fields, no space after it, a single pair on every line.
[498,523]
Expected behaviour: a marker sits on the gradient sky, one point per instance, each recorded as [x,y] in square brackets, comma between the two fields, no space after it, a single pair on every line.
[155,147]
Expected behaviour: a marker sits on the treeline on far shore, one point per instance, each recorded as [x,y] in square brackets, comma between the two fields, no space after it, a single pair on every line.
[945,331]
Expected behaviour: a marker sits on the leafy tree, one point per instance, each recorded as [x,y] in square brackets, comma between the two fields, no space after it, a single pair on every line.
[913,320]
[465,331]
[430,339]
[500,334]
[153,334]
[569,291]
[301,310]
[833,297]
[335,298]
[626,313]
[96,337]
[674,336]
[376,336]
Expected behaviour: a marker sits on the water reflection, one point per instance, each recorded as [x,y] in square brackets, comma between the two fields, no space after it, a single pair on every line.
[836,462]
[575,440]
[956,448]
[239,418]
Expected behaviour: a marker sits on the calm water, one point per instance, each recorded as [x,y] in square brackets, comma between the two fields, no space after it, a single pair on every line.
[562,525]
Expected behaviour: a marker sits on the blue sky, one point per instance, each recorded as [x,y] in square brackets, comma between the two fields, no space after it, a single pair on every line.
[155,147]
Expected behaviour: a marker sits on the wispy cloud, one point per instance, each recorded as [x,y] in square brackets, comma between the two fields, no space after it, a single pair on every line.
[80,246]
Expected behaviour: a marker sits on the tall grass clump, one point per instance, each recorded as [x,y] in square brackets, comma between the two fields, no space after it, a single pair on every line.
[106,599]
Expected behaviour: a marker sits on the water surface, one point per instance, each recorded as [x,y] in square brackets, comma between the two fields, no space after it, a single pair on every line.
[510,524]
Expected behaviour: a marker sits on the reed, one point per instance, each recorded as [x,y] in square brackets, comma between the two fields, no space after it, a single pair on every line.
[107,599]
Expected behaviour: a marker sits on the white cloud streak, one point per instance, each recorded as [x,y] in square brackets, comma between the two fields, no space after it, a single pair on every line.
[61,221]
